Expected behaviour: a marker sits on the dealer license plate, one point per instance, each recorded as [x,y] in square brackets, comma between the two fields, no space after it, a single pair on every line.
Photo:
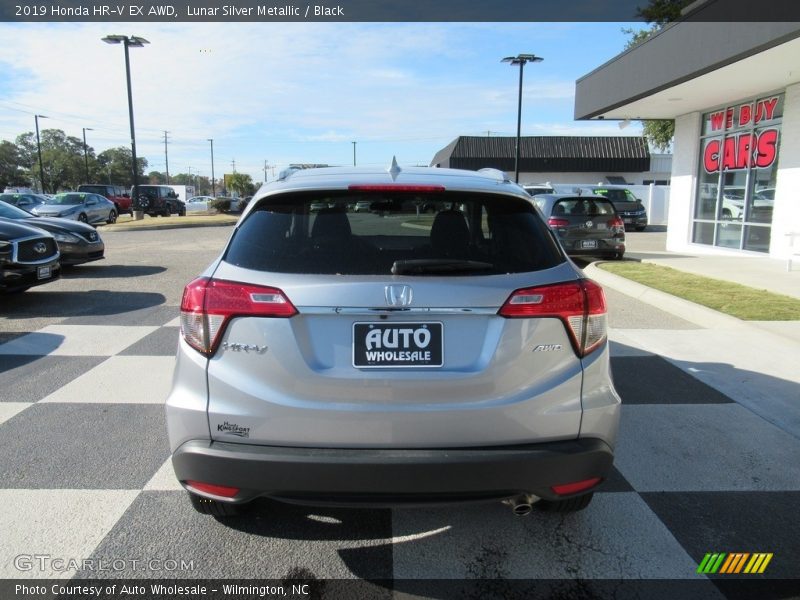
[397,345]
[44,272]
[588,244]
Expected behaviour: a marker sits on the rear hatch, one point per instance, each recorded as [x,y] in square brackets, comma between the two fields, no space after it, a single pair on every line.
[380,328]
[586,223]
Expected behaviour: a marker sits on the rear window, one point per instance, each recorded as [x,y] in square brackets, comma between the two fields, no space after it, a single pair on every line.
[615,195]
[445,233]
[583,207]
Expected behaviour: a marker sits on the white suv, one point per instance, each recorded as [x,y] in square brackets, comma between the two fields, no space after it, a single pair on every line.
[393,354]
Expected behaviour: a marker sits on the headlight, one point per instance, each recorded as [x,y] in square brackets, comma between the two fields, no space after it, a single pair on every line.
[66,238]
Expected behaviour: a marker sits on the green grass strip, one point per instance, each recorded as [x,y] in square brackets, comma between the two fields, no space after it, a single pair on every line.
[741,301]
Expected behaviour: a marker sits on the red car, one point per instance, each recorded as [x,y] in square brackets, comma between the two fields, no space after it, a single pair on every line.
[119,195]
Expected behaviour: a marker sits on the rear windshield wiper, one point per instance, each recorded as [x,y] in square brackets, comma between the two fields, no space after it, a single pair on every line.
[438,265]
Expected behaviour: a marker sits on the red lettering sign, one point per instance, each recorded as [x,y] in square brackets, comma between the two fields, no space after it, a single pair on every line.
[741,151]
[745,114]
[764,110]
[767,148]
[716,121]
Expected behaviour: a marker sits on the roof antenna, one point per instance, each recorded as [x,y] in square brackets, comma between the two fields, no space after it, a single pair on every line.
[394,170]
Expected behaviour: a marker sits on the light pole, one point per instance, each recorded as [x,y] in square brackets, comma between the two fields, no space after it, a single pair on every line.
[213,185]
[135,42]
[354,153]
[520,60]
[85,152]
[39,150]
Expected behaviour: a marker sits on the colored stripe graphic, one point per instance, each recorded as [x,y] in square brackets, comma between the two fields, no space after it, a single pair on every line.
[734,563]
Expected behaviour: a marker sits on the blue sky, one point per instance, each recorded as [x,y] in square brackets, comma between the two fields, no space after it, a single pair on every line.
[302,92]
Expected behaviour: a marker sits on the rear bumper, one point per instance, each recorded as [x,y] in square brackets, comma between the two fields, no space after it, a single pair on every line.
[389,476]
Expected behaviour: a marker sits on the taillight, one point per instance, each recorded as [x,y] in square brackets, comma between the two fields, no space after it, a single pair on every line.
[208,304]
[580,305]
[556,222]
[616,225]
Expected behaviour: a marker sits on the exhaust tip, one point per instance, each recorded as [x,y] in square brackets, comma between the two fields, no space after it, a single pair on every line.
[521,505]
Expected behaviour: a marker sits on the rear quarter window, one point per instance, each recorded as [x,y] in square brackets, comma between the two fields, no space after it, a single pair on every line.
[376,233]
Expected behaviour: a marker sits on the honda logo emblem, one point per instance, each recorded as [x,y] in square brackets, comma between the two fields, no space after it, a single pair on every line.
[40,248]
[398,295]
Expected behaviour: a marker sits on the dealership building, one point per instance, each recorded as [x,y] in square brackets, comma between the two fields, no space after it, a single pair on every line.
[733,90]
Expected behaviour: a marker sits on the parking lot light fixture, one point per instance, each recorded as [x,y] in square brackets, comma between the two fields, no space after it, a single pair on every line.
[85,152]
[39,150]
[213,185]
[521,60]
[135,42]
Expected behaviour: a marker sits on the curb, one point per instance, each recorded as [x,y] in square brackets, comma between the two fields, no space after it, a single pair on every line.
[689,311]
[169,226]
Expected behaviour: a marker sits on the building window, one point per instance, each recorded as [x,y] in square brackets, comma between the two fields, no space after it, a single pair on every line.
[737,172]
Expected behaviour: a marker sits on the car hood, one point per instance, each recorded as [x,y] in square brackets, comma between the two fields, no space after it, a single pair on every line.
[10,229]
[56,224]
[54,208]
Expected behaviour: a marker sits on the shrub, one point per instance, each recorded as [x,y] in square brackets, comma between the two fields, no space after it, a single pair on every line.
[222,205]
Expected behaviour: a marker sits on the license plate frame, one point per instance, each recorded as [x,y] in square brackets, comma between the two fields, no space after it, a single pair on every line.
[404,340]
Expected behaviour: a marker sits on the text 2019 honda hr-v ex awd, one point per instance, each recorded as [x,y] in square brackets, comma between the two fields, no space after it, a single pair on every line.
[375,336]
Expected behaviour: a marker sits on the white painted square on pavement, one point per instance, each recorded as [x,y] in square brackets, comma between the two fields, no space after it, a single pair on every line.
[121,380]
[77,340]
[59,524]
[164,480]
[9,409]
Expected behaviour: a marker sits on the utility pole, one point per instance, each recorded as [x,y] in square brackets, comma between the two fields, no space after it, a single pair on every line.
[39,150]
[213,185]
[85,153]
[166,156]
[233,165]
[354,153]
[266,166]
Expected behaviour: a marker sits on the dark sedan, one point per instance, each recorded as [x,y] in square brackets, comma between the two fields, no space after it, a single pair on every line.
[78,243]
[28,256]
[586,225]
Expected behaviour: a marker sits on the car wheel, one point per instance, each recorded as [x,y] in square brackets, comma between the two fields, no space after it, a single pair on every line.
[565,506]
[214,507]
[82,218]
[112,216]
[182,212]
[726,214]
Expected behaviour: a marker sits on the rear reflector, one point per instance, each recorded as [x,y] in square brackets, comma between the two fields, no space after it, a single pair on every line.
[567,489]
[209,304]
[580,305]
[388,187]
[215,490]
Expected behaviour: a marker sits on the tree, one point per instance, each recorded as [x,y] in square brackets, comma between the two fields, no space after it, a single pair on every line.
[10,171]
[658,133]
[156,178]
[115,164]
[242,184]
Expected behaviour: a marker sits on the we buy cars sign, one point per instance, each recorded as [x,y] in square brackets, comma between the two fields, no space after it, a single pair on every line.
[743,150]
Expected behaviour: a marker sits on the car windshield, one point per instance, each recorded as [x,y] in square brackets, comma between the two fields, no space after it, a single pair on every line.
[440,233]
[583,207]
[67,199]
[94,189]
[8,211]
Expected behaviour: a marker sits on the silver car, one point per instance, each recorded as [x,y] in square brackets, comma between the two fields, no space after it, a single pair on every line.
[392,355]
[79,206]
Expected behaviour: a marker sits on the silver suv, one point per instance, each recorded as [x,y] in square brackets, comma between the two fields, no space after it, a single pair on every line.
[385,336]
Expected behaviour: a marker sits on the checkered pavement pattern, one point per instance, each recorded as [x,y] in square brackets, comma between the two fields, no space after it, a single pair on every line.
[85,473]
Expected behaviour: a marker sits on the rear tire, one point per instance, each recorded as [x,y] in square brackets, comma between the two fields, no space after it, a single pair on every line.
[82,218]
[214,507]
[112,217]
[565,506]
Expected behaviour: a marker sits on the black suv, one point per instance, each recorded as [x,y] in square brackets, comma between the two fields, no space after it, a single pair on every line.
[159,200]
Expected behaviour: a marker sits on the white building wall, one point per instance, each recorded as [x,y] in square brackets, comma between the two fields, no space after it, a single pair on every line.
[682,184]
[786,210]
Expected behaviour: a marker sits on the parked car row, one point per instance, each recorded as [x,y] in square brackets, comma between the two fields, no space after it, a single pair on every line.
[33,248]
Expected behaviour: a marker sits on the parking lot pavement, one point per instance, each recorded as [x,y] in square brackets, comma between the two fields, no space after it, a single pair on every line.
[84,461]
